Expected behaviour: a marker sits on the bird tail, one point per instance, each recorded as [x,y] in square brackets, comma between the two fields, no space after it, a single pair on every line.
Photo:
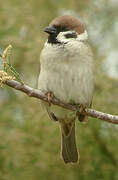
[69,149]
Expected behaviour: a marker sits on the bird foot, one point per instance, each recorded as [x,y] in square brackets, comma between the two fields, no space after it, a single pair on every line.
[50,97]
[81,117]
[81,109]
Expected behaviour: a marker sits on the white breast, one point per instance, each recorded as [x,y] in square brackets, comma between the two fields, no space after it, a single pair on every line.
[67,71]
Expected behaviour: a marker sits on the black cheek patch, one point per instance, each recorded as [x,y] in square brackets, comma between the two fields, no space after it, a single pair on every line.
[71,35]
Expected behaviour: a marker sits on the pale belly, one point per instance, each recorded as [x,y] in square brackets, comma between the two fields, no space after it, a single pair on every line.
[73,85]
[69,77]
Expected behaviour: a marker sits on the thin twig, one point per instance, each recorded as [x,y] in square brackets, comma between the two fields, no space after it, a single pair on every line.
[40,95]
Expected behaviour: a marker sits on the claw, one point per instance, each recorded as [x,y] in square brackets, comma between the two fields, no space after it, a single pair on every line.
[82,108]
[50,96]
[82,117]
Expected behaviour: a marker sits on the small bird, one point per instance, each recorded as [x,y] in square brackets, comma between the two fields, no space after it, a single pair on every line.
[66,72]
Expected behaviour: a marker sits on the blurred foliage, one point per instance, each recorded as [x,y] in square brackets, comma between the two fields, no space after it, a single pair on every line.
[29,141]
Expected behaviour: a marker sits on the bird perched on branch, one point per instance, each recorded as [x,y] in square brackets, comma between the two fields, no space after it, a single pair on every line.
[66,63]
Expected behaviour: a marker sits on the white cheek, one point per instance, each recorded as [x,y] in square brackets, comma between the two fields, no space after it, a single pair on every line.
[80,37]
[61,36]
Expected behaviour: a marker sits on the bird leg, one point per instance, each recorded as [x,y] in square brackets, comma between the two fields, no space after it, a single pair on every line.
[82,117]
[50,96]
[82,108]
[52,116]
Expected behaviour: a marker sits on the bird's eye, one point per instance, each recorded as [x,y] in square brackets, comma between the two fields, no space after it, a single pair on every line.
[71,35]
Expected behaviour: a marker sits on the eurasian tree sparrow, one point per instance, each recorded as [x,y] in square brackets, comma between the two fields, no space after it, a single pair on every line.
[66,63]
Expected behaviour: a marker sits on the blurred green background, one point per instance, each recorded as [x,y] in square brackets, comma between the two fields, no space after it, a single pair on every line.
[29,141]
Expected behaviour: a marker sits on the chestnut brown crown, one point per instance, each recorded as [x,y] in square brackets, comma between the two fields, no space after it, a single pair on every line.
[70,22]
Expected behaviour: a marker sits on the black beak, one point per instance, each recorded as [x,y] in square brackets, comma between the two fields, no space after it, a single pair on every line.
[50,30]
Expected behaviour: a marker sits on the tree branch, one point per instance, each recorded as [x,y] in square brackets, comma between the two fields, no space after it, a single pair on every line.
[40,95]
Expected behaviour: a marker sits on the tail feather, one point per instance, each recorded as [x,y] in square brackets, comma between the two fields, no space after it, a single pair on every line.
[69,149]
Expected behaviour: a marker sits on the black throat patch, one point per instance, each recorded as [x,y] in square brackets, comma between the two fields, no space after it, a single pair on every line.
[53,39]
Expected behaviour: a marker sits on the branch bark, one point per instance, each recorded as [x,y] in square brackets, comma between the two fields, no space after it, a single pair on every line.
[40,95]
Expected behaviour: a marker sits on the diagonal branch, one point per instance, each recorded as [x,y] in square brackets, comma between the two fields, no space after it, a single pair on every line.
[40,95]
